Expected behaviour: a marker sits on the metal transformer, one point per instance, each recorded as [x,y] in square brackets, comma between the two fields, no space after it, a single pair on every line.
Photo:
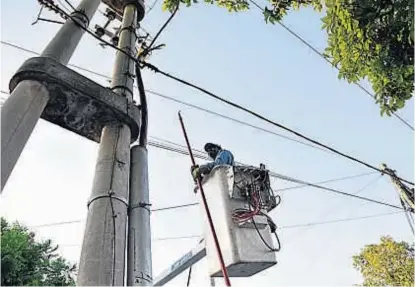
[227,190]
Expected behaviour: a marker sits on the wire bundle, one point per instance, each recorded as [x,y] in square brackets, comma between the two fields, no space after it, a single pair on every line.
[240,215]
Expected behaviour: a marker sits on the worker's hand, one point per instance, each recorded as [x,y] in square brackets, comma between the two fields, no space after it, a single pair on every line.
[195,172]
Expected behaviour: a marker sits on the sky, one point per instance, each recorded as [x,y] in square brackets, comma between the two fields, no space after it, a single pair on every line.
[260,66]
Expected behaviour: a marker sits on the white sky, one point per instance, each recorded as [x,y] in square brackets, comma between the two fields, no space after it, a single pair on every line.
[256,65]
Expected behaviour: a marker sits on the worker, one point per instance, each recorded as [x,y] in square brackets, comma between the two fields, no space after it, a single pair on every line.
[218,155]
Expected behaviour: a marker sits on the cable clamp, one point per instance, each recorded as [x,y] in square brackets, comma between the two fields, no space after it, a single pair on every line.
[130,28]
[81,17]
[140,205]
[109,195]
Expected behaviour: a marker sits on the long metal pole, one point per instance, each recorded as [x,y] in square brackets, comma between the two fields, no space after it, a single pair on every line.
[139,263]
[22,110]
[102,260]
[211,225]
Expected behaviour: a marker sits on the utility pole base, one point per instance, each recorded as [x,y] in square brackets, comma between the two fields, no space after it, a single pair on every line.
[77,103]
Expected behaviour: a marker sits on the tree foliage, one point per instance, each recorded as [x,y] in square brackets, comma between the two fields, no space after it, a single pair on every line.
[27,262]
[389,263]
[367,39]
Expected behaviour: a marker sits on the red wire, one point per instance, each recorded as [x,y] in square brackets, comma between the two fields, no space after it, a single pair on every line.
[246,216]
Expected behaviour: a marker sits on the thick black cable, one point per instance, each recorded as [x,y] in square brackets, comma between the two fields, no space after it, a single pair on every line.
[263,240]
[328,61]
[223,100]
[153,67]
[143,107]
[272,174]
[180,102]
[70,4]
[171,16]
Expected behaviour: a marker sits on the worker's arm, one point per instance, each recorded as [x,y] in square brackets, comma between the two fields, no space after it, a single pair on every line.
[224,158]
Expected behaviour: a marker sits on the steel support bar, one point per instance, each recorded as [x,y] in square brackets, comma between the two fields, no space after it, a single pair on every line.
[23,108]
[187,260]
[139,264]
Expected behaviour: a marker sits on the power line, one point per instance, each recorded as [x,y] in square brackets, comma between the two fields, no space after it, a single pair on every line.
[155,239]
[302,183]
[282,227]
[255,114]
[339,220]
[291,179]
[175,206]
[55,224]
[326,181]
[274,174]
[234,105]
[152,6]
[293,226]
[223,116]
[328,212]
[333,190]
[233,119]
[317,52]
[182,102]
[157,70]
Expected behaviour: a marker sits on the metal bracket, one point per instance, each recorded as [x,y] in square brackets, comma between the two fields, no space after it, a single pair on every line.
[141,205]
[144,277]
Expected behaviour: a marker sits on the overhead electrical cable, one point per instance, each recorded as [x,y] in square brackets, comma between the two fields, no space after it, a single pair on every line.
[255,114]
[157,70]
[317,52]
[181,102]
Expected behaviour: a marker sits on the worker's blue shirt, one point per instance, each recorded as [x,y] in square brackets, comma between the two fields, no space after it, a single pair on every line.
[224,157]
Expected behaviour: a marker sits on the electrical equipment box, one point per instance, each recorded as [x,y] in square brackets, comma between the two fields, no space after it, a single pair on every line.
[239,199]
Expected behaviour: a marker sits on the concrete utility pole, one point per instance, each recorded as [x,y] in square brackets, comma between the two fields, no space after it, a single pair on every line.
[139,266]
[28,99]
[102,260]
